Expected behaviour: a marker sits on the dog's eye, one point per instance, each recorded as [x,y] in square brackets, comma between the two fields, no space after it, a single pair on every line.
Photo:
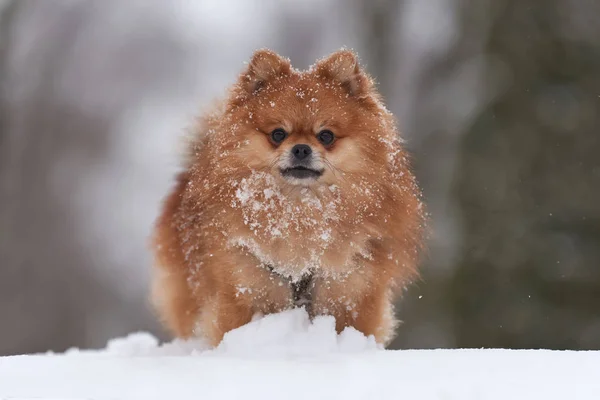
[278,135]
[326,137]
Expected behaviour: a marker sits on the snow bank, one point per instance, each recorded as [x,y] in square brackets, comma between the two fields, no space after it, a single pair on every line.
[285,356]
[286,335]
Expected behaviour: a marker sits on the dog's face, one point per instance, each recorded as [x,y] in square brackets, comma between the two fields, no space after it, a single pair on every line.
[311,128]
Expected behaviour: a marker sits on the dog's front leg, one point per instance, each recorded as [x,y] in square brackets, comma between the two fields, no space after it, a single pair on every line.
[356,302]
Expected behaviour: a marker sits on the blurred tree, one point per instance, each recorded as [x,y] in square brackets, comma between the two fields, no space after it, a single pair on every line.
[7,12]
[380,25]
[528,181]
[54,290]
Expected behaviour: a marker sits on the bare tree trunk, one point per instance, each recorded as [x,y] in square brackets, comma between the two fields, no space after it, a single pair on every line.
[381,39]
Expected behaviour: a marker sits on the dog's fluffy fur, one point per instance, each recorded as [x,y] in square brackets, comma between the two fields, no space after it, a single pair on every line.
[235,233]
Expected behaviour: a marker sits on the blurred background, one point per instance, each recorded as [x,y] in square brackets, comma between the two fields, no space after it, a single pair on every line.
[499,101]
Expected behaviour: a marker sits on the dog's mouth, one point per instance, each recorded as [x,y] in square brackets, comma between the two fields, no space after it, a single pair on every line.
[300,172]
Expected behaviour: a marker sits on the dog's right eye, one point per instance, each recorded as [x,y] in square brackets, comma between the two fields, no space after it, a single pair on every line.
[278,135]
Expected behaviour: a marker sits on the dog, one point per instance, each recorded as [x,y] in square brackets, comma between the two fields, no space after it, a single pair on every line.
[296,192]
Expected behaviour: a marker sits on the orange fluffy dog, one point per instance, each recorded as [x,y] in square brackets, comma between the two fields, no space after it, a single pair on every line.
[296,193]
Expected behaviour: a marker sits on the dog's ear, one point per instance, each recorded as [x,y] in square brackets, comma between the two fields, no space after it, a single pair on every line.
[343,67]
[264,67]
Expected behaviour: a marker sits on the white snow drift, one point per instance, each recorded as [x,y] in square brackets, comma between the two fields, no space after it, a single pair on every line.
[285,356]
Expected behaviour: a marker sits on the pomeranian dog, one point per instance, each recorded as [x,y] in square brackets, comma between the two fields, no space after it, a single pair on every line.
[296,192]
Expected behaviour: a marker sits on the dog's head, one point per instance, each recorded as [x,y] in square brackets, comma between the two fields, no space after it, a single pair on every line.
[310,128]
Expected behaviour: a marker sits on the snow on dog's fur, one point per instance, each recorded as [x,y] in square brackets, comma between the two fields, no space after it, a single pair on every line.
[298,174]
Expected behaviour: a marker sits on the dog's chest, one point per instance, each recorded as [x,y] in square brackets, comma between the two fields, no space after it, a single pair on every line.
[322,249]
[308,230]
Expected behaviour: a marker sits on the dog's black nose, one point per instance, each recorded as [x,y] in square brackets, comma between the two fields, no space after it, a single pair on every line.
[301,151]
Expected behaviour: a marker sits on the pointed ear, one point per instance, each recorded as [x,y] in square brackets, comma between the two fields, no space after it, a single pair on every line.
[342,66]
[264,67]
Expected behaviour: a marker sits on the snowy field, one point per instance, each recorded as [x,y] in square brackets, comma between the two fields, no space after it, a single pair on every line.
[285,356]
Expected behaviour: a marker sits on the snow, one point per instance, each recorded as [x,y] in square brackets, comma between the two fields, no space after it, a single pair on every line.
[287,356]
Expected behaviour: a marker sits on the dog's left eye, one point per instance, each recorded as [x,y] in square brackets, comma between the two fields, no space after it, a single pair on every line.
[326,137]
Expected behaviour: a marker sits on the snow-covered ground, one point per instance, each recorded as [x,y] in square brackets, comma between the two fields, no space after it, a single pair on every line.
[285,356]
